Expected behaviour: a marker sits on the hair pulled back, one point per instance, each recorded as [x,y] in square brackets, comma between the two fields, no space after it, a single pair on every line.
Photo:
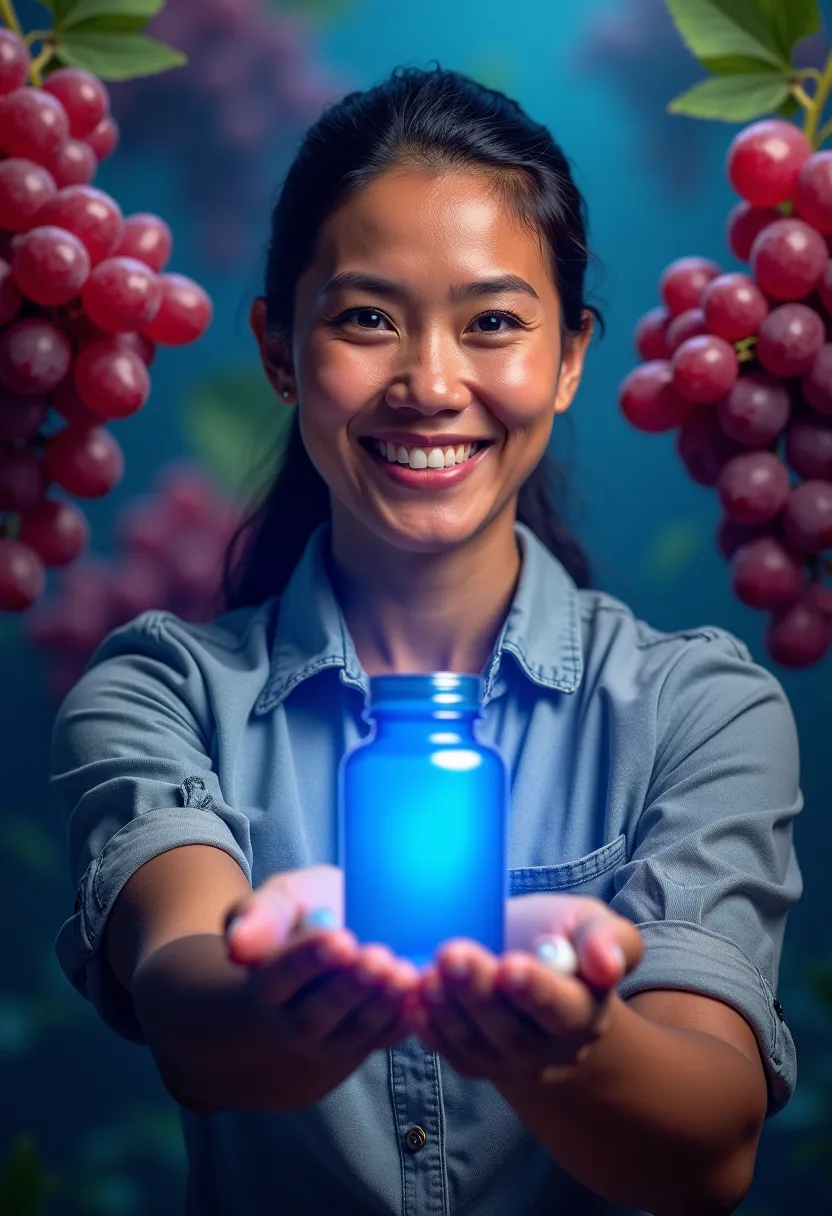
[434,120]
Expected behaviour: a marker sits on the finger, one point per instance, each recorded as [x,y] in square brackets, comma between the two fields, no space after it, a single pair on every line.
[257,929]
[504,1027]
[608,947]
[302,960]
[558,1004]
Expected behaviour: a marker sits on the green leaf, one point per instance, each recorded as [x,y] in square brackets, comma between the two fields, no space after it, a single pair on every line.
[790,21]
[737,65]
[110,24]
[732,98]
[117,56]
[789,107]
[81,10]
[713,29]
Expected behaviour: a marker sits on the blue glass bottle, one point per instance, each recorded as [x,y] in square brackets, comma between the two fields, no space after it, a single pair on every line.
[423,808]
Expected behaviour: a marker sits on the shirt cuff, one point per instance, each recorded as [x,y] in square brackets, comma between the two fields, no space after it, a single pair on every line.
[78,942]
[683,955]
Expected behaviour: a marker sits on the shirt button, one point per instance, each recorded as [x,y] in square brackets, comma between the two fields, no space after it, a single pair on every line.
[415,1139]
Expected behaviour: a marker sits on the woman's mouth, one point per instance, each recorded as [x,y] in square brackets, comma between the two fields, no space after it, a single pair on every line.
[425,468]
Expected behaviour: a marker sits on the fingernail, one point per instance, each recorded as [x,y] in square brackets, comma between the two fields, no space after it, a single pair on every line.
[320,918]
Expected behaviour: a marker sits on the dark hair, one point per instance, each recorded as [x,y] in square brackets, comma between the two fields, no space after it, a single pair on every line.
[434,120]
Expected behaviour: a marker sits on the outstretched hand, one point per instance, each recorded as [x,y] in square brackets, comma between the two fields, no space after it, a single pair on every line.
[512,1018]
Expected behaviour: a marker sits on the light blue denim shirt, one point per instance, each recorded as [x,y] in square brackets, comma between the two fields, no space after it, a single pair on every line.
[656,771]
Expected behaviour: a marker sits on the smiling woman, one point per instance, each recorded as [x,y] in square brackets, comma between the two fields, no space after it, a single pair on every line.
[424,317]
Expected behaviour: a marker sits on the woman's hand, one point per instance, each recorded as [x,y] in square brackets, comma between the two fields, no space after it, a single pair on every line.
[513,1018]
[333,1002]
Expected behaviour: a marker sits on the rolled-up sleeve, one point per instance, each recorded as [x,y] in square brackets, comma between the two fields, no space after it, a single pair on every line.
[714,872]
[132,772]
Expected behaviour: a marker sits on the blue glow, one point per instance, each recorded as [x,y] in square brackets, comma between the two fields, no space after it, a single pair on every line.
[423,828]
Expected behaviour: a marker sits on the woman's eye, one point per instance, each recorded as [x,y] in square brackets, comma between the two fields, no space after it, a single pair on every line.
[375,317]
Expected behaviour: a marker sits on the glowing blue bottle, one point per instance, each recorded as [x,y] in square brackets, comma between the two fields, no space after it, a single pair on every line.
[423,819]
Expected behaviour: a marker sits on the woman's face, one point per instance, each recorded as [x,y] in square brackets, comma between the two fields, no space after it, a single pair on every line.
[420,364]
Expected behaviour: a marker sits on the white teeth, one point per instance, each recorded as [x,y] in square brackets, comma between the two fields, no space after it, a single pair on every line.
[425,458]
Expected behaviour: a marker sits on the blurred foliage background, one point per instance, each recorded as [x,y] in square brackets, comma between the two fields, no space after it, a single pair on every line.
[86,1126]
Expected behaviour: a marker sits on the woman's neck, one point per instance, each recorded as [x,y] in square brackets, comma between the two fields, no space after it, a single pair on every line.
[409,612]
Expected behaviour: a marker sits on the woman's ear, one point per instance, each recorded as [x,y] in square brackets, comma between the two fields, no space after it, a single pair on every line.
[273,350]
[572,364]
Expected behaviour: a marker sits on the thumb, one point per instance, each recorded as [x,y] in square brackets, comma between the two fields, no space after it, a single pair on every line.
[258,928]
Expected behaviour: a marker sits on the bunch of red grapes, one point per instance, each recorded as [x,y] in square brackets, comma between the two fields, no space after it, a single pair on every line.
[83,303]
[169,555]
[252,83]
[741,364]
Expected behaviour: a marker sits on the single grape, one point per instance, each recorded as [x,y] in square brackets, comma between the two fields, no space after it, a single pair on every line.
[703,447]
[22,478]
[704,368]
[753,487]
[14,62]
[807,516]
[817,383]
[764,159]
[34,356]
[22,576]
[73,164]
[743,225]
[149,239]
[185,312]
[733,307]
[813,192]
[24,188]
[788,259]
[10,294]
[731,536]
[789,340]
[56,530]
[648,399]
[86,462]
[32,124]
[103,139]
[50,265]
[20,417]
[764,574]
[756,409]
[809,447]
[122,295]
[111,380]
[89,214]
[688,324]
[683,282]
[82,95]
[798,635]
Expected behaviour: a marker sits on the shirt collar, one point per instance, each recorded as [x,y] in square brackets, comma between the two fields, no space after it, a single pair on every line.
[541,631]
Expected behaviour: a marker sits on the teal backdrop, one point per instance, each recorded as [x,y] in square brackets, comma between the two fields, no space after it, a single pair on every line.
[86,1125]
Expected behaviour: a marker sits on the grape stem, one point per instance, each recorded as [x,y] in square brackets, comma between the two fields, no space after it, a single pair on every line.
[9,17]
[814,111]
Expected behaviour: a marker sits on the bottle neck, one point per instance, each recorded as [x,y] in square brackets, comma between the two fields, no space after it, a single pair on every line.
[452,727]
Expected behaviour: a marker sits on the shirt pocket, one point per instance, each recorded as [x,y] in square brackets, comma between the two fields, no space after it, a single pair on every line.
[593,874]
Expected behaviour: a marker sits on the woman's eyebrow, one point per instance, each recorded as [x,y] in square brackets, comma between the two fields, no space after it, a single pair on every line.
[356,280]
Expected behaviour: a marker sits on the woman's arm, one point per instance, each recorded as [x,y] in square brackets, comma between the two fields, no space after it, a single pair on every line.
[662,1117]
[213,1043]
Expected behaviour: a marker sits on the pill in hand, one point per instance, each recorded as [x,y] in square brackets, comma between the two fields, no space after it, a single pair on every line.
[556,952]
